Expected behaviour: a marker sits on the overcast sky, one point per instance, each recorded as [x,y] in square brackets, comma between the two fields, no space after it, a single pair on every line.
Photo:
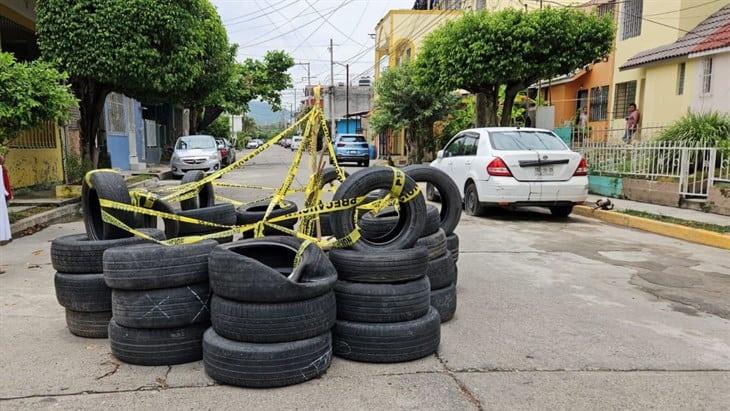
[297,26]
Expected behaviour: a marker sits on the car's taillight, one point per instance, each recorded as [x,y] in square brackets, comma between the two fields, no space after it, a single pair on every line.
[582,169]
[340,144]
[498,168]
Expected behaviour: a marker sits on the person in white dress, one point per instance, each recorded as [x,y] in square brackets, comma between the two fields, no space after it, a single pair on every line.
[5,195]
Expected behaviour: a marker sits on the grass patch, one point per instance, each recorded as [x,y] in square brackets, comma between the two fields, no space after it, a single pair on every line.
[722,229]
[19,215]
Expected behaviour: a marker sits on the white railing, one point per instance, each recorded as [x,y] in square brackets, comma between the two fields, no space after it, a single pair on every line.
[695,168]
[582,136]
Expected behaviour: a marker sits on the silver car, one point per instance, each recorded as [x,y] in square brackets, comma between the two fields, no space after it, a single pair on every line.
[195,153]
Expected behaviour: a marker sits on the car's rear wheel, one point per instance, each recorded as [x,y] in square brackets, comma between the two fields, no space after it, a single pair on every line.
[366,163]
[471,201]
[561,211]
[431,193]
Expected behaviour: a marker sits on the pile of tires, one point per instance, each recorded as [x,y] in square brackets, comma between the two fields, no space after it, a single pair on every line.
[438,236]
[159,302]
[254,212]
[271,321]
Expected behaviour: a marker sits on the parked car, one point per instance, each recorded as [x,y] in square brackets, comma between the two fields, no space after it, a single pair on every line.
[252,144]
[352,148]
[227,150]
[286,142]
[199,152]
[296,141]
[514,167]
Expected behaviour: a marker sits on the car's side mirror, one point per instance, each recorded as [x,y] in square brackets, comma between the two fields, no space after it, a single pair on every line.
[440,154]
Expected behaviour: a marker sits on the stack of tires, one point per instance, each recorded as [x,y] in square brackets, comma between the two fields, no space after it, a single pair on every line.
[383,294]
[383,306]
[203,207]
[254,212]
[159,303]
[271,321]
[438,236]
[78,258]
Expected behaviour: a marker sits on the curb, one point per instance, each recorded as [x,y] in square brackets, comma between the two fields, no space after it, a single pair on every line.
[694,235]
[44,218]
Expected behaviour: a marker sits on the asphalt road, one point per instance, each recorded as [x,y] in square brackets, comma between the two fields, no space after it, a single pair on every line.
[572,314]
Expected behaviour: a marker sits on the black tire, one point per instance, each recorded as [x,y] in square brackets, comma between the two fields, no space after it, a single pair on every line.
[273,323]
[472,206]
[88,325]
[325,225]
[434,243]
[77,254]
[388,342]
[265,365]
[253,213]
[329,176]
[106,185]
[441,271]
[149,221]
[444,301]
[206,195]
[380,225]
[163,308]
[366,163]
[381,266]
[410,225]
[452,243]
[165,346]
[154,266]
[258,271]
[561,211]
[448,193]
[382,303]
[86,293]
[224,214]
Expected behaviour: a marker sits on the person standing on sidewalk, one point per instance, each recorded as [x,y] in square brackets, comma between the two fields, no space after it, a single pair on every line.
[6,193]
[632,122]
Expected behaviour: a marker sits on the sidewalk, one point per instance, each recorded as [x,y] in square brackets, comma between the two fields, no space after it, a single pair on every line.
[680,213]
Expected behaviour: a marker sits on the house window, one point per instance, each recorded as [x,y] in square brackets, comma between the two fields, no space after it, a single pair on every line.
[707,76]
[680,78]
[631,18]
[599,103]
[115,114]
[625,95]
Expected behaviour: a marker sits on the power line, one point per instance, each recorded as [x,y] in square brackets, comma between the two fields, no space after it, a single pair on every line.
[327,21]
[270,6]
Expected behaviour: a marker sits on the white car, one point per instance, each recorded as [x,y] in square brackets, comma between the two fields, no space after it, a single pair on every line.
[199,152]
[296,141]
[252,144]
[514,167]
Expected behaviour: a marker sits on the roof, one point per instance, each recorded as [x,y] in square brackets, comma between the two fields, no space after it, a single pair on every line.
[711,34]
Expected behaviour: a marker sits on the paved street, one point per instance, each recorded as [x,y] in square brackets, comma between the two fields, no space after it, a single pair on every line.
[551,314]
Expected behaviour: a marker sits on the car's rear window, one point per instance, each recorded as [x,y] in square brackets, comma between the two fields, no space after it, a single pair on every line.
[352,139]
[525,140]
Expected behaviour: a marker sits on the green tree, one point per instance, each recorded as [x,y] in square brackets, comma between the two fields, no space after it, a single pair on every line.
[147,49]
[484,51]
[220,128]
[30,93]
[252,79]
[404,102]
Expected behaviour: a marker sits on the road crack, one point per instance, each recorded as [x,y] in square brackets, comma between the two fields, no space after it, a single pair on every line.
[462,386]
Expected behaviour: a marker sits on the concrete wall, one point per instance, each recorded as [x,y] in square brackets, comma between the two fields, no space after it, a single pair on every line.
[359,101]
[662,105]
[28,167]
[718,99]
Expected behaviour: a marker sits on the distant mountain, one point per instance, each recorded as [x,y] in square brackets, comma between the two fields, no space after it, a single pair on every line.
[263,114]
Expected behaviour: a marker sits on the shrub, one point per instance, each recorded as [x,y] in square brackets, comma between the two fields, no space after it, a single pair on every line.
[707,129]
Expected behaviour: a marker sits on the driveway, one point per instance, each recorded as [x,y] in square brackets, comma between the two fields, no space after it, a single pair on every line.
[551,314]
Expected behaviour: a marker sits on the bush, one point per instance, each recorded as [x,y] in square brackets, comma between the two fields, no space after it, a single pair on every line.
[707,129]
[76,169]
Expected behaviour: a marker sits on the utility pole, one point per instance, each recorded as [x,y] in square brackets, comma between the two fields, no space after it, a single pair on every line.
[347,96]
[332,89]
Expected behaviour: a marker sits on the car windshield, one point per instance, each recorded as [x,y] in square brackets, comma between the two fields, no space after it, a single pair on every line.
[195,142]
[525,140]
[352,139]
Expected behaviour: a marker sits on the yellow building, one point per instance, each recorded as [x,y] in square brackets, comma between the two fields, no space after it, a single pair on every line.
[400,34]
[649,70]
[35,156]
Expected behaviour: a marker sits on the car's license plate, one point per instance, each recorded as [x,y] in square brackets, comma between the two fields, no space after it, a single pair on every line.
[545,171]
[353,151]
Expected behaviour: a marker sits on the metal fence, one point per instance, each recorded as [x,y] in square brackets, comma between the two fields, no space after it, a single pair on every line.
[694,168]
